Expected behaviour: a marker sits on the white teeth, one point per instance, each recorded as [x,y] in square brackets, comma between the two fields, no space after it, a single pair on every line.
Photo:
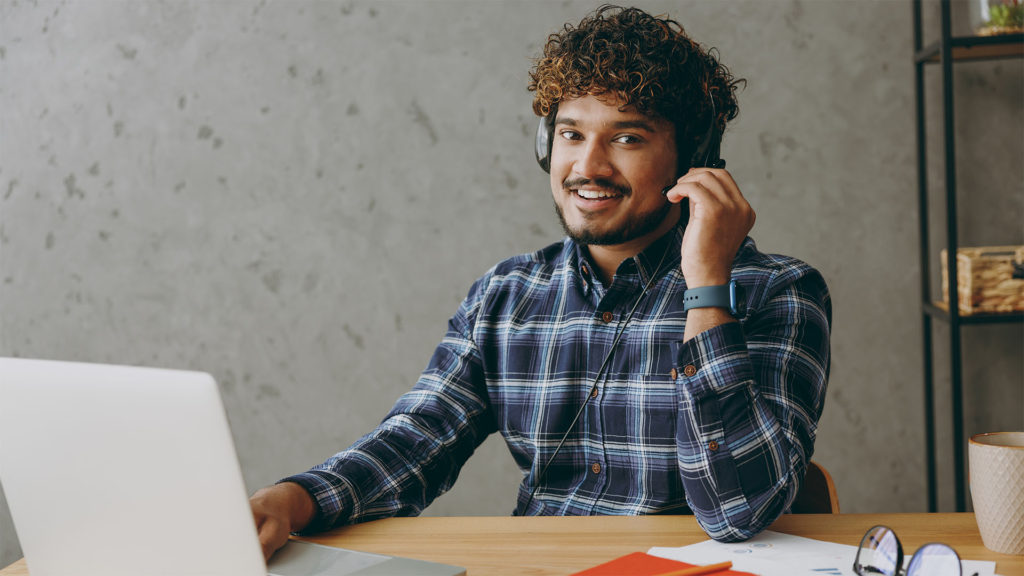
[594,194]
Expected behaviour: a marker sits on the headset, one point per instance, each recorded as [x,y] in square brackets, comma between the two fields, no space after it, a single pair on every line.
[707,153]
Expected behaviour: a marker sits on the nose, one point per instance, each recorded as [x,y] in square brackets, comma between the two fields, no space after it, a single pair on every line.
[593,161]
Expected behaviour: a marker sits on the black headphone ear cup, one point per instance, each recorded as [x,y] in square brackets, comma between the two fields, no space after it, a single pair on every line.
[708,151]
[543,141]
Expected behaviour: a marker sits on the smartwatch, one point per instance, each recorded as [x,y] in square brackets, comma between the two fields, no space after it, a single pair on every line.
[730,296]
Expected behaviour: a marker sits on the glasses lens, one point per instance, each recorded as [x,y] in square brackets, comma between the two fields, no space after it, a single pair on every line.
[880,553]
[934,560]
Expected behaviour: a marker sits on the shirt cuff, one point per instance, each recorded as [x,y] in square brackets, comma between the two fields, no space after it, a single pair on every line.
[715,362]
[331,495]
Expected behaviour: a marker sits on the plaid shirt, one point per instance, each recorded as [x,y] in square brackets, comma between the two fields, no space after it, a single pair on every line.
[721,426]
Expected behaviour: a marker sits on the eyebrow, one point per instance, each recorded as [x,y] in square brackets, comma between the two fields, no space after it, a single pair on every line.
[620,125]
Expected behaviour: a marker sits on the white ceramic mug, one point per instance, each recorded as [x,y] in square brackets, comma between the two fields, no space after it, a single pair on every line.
[997,489]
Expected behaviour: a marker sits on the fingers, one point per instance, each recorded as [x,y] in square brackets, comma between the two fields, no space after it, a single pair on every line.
[713,194]
[273,535]
[706,184]
[272,521]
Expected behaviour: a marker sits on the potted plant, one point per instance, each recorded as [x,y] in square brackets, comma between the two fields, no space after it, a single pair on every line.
[991,17]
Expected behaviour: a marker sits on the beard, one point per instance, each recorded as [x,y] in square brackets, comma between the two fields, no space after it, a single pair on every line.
[635,226]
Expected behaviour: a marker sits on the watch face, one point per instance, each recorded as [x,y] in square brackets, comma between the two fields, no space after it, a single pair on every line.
[737,299]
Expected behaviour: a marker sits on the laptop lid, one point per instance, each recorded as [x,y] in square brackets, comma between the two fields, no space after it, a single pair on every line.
[117,470]
[112,470]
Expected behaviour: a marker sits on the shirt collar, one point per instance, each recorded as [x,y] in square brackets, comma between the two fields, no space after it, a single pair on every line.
[665,250]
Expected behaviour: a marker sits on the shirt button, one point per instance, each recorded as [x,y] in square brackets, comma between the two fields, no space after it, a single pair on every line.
[674,374]
[595,468]
[689,370]
[607,317]
[593,392]
[713,446]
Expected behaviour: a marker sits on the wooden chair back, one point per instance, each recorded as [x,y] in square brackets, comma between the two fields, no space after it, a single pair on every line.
[817,494]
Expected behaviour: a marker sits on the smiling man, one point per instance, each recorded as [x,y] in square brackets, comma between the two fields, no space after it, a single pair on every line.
[653,362]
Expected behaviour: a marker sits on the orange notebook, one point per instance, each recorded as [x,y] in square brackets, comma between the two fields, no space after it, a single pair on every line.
[640,564]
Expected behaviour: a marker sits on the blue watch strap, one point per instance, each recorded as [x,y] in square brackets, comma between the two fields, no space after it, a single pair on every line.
[729,296]
[706,297]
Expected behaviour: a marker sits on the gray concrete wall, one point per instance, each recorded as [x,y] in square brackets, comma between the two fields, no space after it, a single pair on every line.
[295,196]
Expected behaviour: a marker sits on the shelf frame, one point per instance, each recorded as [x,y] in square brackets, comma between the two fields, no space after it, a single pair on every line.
[940,311]
[947,50]
[966,48]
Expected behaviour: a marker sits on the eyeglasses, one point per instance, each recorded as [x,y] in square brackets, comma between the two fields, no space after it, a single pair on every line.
[880,552]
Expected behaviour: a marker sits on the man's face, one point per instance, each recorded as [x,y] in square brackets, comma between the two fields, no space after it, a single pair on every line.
[608,167]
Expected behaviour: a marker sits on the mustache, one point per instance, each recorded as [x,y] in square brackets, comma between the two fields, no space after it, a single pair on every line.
[570,183]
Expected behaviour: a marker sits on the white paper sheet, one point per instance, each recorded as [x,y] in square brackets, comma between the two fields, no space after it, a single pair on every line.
[776,554]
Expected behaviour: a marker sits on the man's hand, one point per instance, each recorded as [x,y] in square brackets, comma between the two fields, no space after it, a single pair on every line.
[720,218]
[278,511]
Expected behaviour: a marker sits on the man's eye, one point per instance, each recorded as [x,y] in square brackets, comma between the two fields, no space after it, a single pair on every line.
[628,139]
[570,135]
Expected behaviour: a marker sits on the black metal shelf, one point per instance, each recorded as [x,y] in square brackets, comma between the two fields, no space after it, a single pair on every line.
[967,48]
[946,52]
[940,311]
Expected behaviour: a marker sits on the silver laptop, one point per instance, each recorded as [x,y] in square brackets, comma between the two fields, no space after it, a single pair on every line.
[116,470]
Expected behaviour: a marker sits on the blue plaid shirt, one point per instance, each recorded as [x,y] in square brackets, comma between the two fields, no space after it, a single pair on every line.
[721,426]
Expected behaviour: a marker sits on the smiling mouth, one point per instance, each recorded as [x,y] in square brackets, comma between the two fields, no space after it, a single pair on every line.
[596,194]
[596,190]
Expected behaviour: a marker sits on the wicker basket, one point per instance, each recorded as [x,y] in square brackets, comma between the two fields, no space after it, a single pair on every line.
[990,279]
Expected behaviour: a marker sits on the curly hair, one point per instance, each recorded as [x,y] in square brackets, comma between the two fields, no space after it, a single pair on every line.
[642,61]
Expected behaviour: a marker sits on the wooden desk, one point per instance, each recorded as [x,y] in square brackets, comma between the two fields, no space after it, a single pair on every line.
[561,545]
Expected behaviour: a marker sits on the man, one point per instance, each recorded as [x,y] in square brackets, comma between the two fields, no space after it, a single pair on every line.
[617,385]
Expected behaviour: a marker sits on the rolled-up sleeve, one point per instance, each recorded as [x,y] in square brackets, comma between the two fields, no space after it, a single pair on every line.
[751,394]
